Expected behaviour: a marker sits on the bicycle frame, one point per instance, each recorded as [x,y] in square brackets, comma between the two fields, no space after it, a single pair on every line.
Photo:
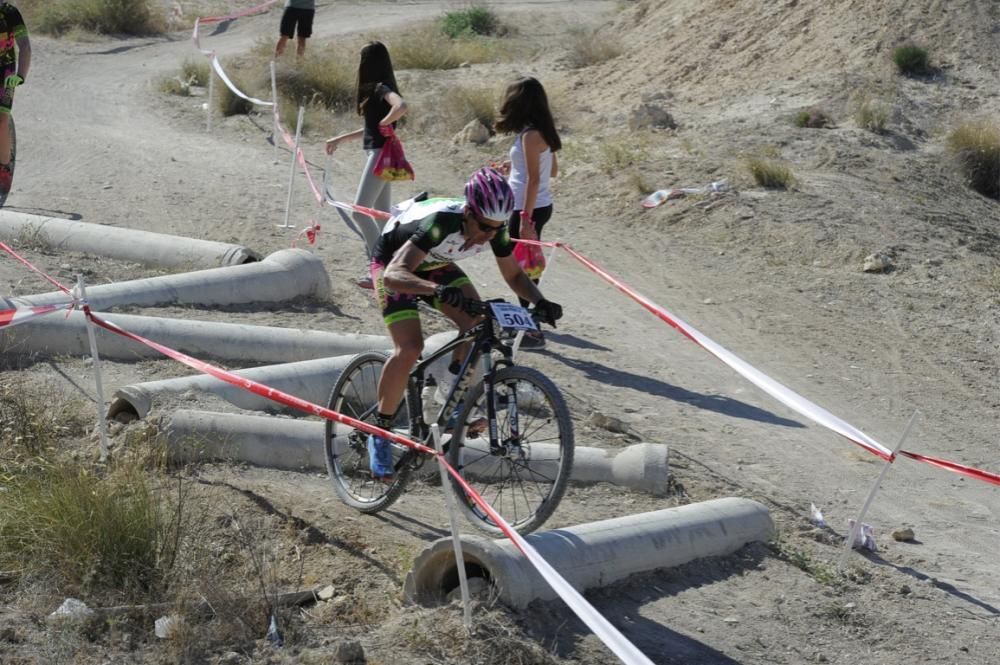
[484,341]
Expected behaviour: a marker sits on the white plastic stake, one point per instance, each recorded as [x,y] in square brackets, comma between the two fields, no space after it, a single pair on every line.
[291,174]
[101,427]
[211,95]
[548,265]
[274,111]
[856,528]
[455,536]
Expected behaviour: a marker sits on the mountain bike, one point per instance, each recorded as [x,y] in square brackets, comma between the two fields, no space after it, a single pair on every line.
[509,435]
[13,154]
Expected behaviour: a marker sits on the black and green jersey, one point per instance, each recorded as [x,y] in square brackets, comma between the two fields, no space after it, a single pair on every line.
[435,227]
[11,28]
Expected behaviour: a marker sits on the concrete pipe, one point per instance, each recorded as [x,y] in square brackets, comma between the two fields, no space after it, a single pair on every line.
[59,335]
[284,275]
[593,555]
[152,249]
[642,466]
[295,444]
[310,380]
[274,443]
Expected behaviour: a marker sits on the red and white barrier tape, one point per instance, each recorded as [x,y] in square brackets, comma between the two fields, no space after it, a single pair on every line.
[214,60]
[13,317]
[258,9]
[217,66]
[780,392]
[772,387]
[954,467]
[783,394]
[310,233]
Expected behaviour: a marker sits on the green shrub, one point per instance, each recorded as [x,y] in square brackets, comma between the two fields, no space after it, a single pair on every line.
[475,20]
[813,118]
[976,146]
[109,17]
[911,60]
[769,174]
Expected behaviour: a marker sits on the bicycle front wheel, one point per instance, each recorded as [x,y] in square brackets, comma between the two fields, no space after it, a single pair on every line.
[523,475]
[346,448]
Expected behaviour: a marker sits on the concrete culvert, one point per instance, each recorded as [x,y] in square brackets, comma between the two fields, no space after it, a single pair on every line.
[284,443]
[233,342]
[592,555]
[282,276]
[152,249]
[310,380]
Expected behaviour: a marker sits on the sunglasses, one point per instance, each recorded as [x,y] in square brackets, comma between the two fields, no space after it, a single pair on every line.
[488,228]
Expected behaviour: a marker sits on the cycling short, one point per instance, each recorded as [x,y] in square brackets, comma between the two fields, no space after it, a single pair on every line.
[297,16]
[403,306]
[6,94]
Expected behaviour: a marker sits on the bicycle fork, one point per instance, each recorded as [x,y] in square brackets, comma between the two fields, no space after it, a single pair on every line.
[513,444]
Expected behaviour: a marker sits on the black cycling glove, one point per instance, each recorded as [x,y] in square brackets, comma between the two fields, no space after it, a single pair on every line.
[548,312]
[449,295]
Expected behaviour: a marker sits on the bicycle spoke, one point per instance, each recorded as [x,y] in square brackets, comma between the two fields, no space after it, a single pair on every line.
[355,395]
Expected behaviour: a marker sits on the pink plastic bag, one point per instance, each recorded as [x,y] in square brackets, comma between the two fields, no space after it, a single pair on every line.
[529,257]
[391,163]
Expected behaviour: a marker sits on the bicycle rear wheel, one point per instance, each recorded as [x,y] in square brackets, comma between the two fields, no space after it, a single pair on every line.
[524,478]
[346,448]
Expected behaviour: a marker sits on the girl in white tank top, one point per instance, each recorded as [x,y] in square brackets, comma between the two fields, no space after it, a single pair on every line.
[525,111]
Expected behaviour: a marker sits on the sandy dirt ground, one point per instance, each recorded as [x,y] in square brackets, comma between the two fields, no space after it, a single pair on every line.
[775,276]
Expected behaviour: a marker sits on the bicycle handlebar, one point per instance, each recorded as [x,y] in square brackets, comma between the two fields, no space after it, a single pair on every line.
[482,308]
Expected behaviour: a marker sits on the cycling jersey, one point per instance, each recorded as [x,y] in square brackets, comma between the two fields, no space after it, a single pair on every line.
[435,227]
[11,28]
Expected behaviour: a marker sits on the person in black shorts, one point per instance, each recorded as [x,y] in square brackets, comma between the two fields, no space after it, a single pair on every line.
[298,13]
[414,259]
[14,64]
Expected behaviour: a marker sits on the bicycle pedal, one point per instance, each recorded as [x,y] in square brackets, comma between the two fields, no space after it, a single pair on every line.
[385,480]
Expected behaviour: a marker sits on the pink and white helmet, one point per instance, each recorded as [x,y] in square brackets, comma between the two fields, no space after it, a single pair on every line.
[488,195]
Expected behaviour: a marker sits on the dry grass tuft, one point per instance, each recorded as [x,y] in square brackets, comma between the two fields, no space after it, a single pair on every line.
[976,147]
[770,174]
[424,49]
[106,17]
[588,47]
[872,115]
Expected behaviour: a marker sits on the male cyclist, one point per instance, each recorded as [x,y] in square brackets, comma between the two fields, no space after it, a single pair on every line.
[14,66]
[414,259]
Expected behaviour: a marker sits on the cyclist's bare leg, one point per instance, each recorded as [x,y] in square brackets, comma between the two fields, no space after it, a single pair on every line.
[408,343]
[463,320]
[4,137]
